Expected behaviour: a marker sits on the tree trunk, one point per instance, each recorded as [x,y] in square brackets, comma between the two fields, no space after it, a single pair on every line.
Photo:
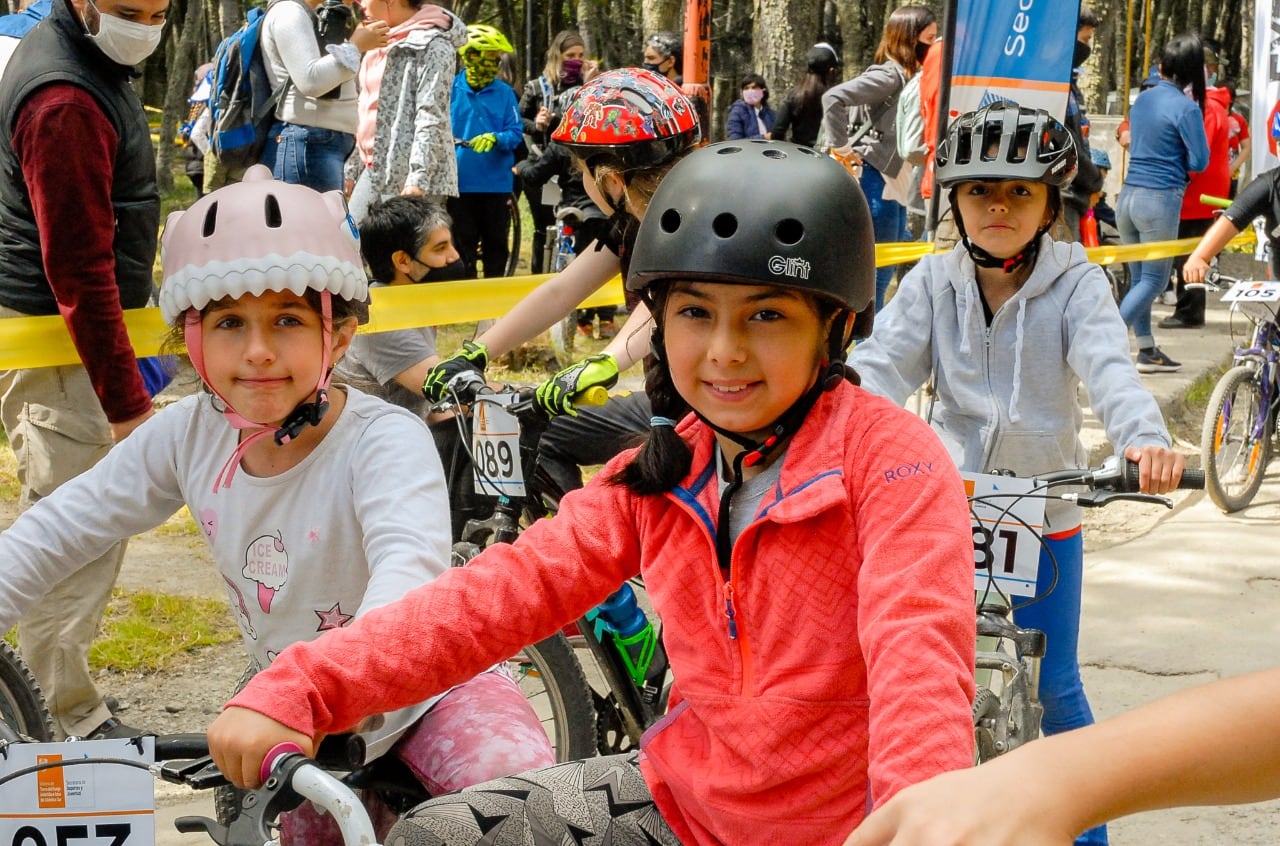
[659,15]
[609,32]
[782,32]
[181,68]
[732,58]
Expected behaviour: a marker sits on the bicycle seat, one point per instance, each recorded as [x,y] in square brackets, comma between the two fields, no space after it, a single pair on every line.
[572,213]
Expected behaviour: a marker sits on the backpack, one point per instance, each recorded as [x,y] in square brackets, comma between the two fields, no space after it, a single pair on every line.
[242,102]
[910,123]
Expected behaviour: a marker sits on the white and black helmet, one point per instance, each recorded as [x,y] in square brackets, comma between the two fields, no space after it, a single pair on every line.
[1004,141]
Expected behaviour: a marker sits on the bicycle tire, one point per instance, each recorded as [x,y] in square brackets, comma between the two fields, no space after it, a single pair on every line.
[1227,445]
[22,704]
[513,236]
[553,682]
[1120,280]
[986,706]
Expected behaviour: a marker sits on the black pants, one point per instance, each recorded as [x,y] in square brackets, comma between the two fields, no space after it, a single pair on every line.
[594,436]
[1190,307]
[481,223]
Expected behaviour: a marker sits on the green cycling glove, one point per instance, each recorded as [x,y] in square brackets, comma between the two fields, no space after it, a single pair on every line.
[555,396]
[483,143]
[472,357]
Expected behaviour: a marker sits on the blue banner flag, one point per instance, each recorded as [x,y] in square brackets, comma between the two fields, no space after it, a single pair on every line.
[1017,50]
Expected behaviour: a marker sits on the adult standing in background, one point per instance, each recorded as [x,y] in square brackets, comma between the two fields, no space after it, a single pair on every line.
[404,138]
[1166,144]
[873,96]
[1239,143]
[18,24]
[751,116]
[800,115]
[1078,196]
[663,54]
[1195,217]
[315,125]
[542,104]
[77,238]
[486,117]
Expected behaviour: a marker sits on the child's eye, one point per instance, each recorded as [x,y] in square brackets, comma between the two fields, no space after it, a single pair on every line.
[692,312]
[977,189]
[1022,190]
[768,315]
[228,322]
[289,320]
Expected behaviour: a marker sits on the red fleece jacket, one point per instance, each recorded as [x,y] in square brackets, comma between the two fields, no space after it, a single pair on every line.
[852,671]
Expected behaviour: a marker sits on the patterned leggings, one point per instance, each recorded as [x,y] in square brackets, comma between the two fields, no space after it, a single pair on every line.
[598,801]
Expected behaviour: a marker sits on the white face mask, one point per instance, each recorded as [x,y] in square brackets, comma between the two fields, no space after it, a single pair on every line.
[126,42]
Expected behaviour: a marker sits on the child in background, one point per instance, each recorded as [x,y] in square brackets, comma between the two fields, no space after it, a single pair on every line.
[311,511]
[485,115]
[806,544]
[1008,327]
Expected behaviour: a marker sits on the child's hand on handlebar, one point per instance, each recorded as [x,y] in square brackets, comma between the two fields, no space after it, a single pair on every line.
[557,394]
[239,739]
[1194,269]
[1159,468]
[472,357]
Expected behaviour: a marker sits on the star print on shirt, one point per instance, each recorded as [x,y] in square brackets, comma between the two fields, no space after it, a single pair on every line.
[333,618]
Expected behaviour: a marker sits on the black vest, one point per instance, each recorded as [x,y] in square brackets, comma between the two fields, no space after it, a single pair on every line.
[59,51]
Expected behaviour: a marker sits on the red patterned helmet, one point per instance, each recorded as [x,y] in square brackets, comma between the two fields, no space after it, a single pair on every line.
[633,116]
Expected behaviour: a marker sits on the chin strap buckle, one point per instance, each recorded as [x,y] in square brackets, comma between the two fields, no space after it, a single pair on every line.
[307,414]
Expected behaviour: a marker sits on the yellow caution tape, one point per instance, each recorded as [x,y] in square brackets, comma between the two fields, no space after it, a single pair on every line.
[44,341]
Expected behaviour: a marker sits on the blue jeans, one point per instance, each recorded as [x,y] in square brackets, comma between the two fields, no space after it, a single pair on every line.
[1144,215]
[307,155]
[1058,616]
[889,219]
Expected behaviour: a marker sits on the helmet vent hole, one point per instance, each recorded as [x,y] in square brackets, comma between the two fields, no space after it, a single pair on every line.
[725,225]
[775,153]
[670,221]
[210,220]
[274,219]
[724,151]
[789,231]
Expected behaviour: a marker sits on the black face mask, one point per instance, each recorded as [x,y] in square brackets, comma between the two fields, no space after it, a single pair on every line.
[1081,54]
[922,50]
[652,66]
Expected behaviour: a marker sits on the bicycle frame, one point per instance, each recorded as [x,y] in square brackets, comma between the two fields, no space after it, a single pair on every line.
[1262,355]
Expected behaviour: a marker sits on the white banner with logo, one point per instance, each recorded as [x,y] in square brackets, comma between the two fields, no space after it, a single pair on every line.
[1265,87]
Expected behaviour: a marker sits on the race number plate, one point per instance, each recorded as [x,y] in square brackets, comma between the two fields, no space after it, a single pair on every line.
[99,804]
[1006,532]
[495,448]
[1253,290]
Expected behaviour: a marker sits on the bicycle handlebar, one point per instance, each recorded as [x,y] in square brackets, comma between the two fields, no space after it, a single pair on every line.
[469,386]
[1220,202]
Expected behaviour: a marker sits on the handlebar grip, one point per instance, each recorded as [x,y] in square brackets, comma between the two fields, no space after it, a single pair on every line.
[596,395]
[1192,478]
[274,754]
[1210,200]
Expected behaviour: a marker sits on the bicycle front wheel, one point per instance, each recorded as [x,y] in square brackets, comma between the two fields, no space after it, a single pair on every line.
[1236,440]
[22,705]
[552,681]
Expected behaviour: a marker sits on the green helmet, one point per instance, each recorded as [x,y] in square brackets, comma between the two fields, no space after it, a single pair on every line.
[485,39]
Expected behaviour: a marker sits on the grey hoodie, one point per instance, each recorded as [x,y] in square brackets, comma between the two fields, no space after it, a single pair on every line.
[1007,394]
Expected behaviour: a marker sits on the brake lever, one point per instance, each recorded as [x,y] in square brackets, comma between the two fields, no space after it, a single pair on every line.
[1097,498]
[198,773]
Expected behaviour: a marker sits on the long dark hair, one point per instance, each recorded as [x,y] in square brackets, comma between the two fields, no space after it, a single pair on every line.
[1182,63]
[823,65]
[901,34]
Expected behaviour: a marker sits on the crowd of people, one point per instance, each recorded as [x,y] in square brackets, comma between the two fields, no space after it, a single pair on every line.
[776,366]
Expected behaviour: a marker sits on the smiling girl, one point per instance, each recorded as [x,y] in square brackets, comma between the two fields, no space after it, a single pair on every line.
[1008,328]
[805,543]
[312,514]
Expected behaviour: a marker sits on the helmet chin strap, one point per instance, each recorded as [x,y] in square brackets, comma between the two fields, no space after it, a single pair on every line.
[306,414]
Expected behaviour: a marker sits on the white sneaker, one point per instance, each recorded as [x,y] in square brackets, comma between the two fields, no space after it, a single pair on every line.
[1169,297]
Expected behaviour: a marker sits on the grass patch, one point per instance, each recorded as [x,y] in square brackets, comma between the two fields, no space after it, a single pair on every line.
[180,525]
[10,490]
[149,632]
[1186,423]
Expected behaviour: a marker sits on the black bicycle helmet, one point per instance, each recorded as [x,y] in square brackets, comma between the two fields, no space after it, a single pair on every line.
[1005,141]
[760,213]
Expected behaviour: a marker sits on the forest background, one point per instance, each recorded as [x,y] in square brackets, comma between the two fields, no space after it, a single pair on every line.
[765,36]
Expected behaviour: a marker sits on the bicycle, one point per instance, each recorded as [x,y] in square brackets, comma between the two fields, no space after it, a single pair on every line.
[628,686]
[557,253]
[1006,705]
[1239,424]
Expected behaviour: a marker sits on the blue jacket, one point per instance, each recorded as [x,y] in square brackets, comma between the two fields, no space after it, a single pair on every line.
[491,109]
[742,120]
[20,23]
[1166,138]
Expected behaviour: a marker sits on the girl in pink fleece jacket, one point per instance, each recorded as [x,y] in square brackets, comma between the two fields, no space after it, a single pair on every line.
[805,543]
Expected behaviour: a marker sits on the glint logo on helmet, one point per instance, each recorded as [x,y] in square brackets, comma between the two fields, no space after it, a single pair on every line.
[793,267]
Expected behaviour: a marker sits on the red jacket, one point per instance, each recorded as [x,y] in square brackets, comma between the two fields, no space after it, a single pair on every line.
[1215,179]
[852,671]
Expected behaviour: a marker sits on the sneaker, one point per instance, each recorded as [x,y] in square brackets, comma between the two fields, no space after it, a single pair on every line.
[585,330]
[608,329]
[1156,362]
[1169,297]
[113,729]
